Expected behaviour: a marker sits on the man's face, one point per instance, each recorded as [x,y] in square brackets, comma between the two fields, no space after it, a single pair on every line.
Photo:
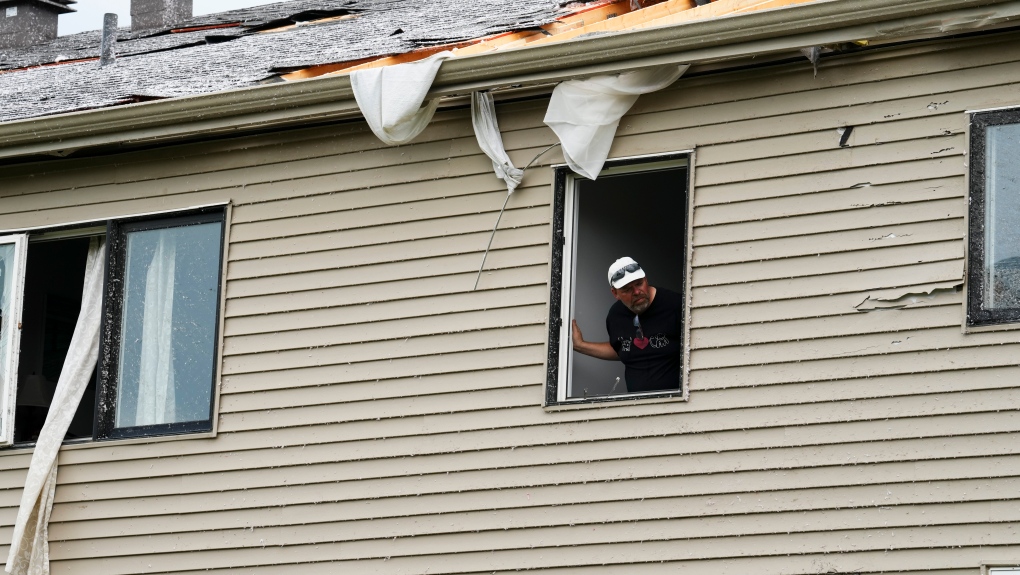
[635,295]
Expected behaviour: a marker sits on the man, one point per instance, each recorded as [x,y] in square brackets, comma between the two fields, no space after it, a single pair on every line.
[645,326]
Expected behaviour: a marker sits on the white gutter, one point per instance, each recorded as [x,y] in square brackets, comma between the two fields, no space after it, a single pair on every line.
[331,98]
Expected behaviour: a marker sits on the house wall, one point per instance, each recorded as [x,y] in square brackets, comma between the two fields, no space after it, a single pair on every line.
[378,416]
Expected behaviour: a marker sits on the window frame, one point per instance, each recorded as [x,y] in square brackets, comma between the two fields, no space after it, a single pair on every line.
[976,314]
[104,426]
[101,227]
[10,356]
[559,348]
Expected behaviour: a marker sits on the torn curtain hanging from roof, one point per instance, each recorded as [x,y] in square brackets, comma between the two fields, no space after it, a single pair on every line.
[391,98]
[585,113]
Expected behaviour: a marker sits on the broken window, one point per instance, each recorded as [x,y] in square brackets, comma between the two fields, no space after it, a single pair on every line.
[638,209]
[993,289]
[156,372]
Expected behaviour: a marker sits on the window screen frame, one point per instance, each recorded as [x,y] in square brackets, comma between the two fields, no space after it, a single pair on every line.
[110,331]
[565,216]
[976,314]
[10,356]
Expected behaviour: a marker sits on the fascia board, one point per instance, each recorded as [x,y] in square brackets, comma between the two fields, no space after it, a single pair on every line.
[331,98]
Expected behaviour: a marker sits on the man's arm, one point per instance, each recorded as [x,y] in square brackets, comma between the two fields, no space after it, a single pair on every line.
[600,349]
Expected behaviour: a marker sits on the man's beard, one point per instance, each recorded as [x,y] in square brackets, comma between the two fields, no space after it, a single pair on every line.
[640,307]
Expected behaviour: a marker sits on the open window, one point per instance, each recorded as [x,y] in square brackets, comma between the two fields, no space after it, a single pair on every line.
[12,274]
[993,282]
[637,208]
[158,341]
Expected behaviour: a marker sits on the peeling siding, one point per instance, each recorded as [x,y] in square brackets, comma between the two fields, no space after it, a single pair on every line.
[378,416]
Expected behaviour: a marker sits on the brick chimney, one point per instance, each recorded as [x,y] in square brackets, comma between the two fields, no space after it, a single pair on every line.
[29,22]
[149,14]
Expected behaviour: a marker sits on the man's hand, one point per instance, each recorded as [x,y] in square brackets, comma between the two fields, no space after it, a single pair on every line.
[575,334]
[601,350]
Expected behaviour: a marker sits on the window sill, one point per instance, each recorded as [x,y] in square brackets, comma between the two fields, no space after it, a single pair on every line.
[75,444]
[990,327]
[619,401]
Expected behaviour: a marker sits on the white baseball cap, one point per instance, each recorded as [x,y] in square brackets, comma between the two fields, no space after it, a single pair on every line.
[623,271]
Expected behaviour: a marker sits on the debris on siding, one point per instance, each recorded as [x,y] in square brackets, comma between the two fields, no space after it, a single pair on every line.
[909,297]
[844,135]
[813,54]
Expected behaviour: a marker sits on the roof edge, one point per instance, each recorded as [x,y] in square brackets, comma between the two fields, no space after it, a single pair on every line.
[326,98]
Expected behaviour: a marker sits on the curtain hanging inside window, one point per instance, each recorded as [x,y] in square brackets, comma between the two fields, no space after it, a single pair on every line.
[30,553]
[156,401]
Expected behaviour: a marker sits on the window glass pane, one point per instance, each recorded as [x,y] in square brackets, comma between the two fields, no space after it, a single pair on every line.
[168,325]
[6,314]
[1002,219]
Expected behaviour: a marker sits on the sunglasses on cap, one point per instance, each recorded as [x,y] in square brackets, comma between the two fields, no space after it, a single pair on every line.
[624,271]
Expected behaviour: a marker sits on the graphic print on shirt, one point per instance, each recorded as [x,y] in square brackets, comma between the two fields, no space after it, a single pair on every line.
[624,344]
[639,337]
[659,341]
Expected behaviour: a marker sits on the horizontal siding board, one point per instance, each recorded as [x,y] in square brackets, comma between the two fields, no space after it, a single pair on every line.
[849,346]
[366,217]
[918,499]
[358,422]
[856,198]
[396,270]
[379,349]
[291,498]
[862,562]
[396,251]
[917,318]
[386,369]
[441,384]
[342,482]
[798,226]
[877,256]
[491,279]
[831,243]
[852,281]
[431,539]
[527,558]
[830,160]
[448,323]
[384,234]
[928,361]
[848,179]
[240,330]
[827,305]
[772,425]
[878,130]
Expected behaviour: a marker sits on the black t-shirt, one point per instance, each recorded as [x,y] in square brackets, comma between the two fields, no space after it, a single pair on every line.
[652,357]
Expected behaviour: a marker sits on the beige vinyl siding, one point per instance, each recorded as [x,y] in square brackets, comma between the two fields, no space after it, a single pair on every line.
[378,416]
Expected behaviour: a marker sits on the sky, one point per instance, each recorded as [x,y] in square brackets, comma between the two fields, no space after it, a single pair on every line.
[90,12]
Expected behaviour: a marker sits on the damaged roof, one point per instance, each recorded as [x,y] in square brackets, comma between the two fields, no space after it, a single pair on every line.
[246,47]
[301,39]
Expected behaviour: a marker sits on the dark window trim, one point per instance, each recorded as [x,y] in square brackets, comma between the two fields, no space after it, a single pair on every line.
[109,351]
[977,315]
[559,241]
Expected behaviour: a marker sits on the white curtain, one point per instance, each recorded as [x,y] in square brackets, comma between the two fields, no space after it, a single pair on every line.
[391,97]
[483,119]
[585,113]
[30,552]
[156,401]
